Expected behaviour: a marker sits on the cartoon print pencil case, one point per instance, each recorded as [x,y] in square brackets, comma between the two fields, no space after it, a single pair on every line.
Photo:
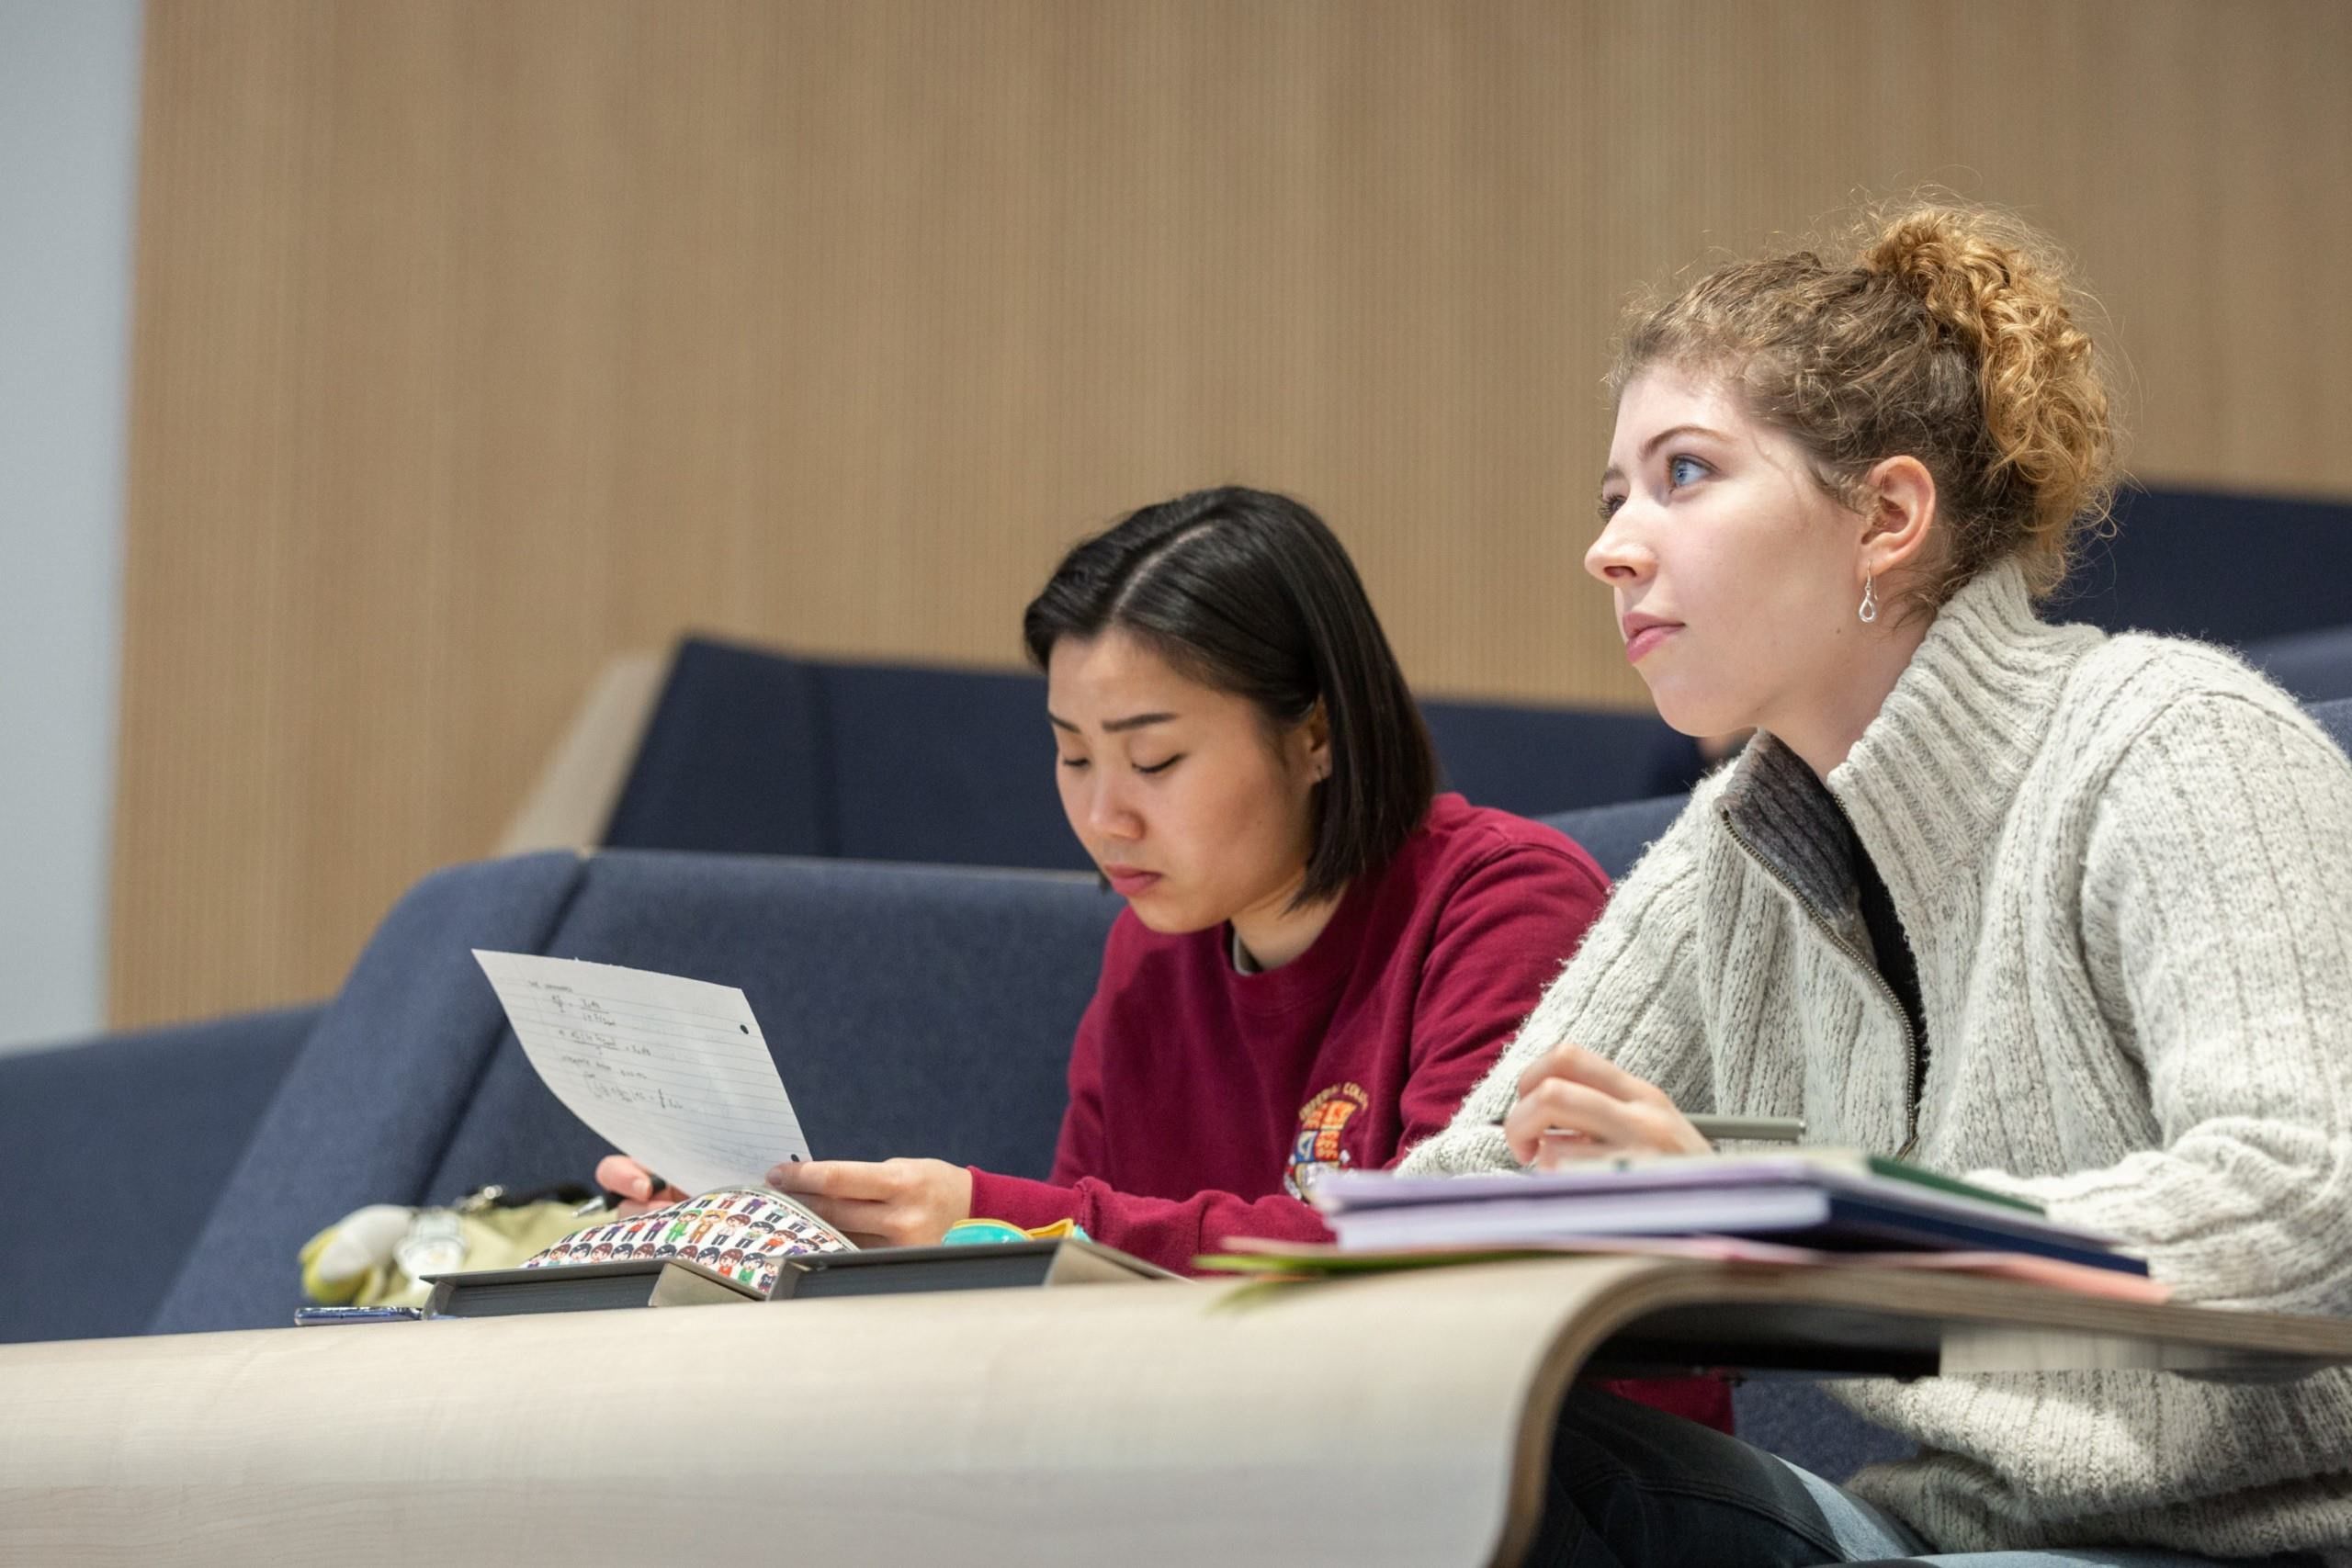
[741,1233]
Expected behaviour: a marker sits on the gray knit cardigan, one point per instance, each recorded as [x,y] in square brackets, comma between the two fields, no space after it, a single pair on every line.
[2124,866]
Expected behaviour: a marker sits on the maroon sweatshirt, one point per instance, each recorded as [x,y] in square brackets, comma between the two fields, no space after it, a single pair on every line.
[1201,1098]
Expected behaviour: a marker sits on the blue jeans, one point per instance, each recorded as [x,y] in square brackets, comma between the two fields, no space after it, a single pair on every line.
[1633,1487]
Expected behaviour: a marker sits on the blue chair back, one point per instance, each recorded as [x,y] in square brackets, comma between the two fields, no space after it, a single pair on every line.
[1533,760]
[735,759]
[138,1132]
[750,752]
[370,1103]
[2229,569]
[2315,666]
[1616,835]
[951,767]
[2335,717]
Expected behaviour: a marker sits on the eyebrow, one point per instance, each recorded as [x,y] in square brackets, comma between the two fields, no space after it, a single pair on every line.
[1660,439]
[1113,725]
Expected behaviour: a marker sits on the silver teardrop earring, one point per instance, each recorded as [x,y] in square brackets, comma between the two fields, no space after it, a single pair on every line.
[1869,611]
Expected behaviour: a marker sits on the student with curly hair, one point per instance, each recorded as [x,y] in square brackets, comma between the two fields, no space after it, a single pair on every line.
[2064,913]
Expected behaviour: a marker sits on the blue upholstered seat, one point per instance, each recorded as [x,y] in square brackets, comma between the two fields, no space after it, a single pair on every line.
[370,1102]
[2335,717]
[132,1137]
[2229,569]
[2316,666]
[754,751]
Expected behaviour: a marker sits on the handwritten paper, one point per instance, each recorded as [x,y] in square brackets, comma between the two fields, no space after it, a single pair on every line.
[674,1073]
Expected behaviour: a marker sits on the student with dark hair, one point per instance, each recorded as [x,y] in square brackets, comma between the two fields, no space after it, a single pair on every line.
[1320,955]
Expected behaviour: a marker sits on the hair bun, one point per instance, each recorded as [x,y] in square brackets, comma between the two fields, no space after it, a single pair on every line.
[1999,291]
[1931,255]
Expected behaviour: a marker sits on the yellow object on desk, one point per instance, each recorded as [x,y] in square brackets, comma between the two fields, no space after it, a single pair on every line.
[375,1255]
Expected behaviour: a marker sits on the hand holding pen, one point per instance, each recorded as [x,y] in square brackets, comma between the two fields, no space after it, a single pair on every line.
[1576,1105]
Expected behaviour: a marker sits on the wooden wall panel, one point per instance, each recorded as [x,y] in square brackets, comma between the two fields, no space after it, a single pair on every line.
[477,341]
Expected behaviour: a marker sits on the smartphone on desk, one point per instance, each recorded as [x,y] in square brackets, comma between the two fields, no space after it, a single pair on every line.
[311,1318]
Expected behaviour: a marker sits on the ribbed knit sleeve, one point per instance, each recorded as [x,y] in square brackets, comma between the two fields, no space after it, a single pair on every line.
[2217,900]
[1630,992]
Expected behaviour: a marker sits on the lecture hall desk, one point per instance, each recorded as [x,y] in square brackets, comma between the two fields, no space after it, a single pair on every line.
[1395,1419]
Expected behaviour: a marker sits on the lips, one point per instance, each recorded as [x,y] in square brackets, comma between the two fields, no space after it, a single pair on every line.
[1644,633]
[1128,881]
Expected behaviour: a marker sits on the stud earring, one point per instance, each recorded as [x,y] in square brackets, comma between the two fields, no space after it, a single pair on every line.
[1869,611]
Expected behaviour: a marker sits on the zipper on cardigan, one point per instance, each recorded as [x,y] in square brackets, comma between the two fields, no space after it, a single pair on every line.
[1910,1037]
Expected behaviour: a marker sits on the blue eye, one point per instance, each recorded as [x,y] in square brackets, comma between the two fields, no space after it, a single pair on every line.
[1681,472]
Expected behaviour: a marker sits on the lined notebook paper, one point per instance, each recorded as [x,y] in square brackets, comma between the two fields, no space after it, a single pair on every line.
[674,1073]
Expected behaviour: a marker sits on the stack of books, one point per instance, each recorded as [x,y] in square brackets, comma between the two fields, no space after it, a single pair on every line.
[1823,1201]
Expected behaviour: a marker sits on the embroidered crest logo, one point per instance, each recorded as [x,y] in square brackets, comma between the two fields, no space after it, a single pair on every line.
[1322,1122]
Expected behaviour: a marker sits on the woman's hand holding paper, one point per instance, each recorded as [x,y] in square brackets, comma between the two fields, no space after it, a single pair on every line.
[891,1202]
[1576,1105]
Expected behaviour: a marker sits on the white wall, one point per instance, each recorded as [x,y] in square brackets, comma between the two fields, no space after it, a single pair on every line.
[69,132]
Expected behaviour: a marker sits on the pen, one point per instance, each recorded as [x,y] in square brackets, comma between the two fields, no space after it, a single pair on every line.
[1764,1129]
[1760,1129]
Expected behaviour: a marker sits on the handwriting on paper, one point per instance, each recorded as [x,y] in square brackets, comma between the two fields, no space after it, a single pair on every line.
[675,1073]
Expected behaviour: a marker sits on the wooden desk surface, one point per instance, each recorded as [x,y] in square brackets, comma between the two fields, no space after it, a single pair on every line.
[1393,1420]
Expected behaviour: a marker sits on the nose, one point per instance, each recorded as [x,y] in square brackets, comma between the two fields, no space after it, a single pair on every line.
[1618,557]
[1110,815]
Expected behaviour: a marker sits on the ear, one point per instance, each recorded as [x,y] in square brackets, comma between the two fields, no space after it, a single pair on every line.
[1900,513]
[1314,739]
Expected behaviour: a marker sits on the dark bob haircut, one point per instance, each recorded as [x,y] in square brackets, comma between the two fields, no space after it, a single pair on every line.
[1251,594]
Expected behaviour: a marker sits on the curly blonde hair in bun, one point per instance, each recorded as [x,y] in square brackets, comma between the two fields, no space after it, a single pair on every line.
[1954,337]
